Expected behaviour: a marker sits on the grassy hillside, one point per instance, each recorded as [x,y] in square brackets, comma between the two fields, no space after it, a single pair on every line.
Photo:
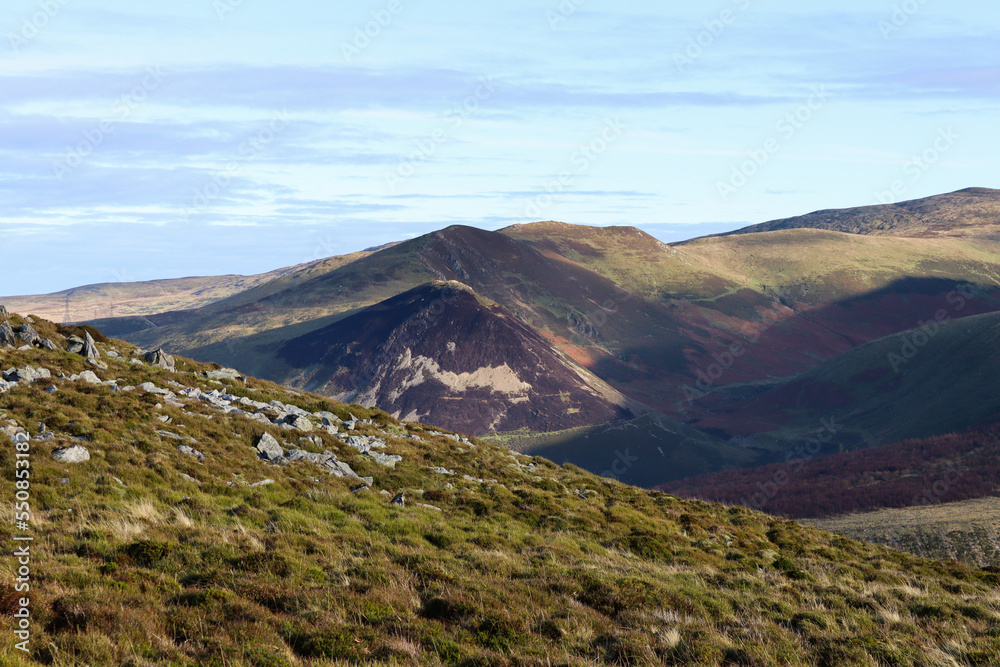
[972,212]
[910,385]
[145,554]
[965,531]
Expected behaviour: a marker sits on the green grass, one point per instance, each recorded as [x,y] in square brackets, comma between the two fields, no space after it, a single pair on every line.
[133,565]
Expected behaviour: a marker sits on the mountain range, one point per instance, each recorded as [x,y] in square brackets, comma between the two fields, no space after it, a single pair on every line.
[606,348]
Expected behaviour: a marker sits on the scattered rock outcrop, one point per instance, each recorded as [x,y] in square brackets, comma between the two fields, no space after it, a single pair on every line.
[310,429]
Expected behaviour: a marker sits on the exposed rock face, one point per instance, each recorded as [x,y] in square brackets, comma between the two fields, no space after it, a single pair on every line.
[3,312]
[74,454]
[440,354]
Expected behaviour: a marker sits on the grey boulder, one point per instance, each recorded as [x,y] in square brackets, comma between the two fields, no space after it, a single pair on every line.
[269,448]
[160,358]
[7,337]
[184,449]
[90,350]
[73,454]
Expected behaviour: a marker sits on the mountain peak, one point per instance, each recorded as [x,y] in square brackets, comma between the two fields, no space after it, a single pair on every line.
[417,353]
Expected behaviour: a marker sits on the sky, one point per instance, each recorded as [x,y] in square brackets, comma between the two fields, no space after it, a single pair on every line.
[204,137]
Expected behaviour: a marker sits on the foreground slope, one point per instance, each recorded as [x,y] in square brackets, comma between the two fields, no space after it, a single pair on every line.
[148,553]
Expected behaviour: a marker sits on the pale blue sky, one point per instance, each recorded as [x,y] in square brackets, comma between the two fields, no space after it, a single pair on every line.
[142,140]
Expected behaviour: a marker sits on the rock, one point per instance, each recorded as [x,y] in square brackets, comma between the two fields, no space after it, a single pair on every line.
[7,337]
[89,377]
[160,358]
[26,374]
[184,449]
[430,507]
[441,471]
[3,312]
[73,454]
[269,448]
[189,478]
[359,488]
[224,374]
[299,422]
[387,460]
[399,500]
[26,334]
[51,389]
[47,344]
[271,412]
[169,435]
[263,482]
[90,350]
